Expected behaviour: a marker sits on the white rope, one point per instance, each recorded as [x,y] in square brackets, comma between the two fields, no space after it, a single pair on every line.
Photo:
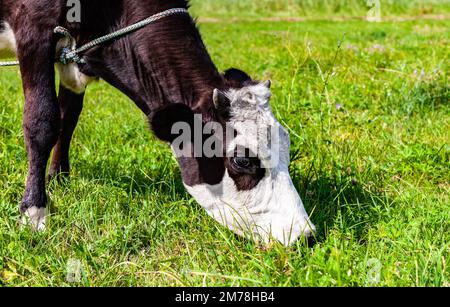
[72,55]
[6,64]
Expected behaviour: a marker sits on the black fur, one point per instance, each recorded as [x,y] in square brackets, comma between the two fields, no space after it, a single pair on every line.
[159,66]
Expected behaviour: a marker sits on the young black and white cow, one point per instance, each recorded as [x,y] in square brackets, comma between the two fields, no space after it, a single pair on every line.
[166,70]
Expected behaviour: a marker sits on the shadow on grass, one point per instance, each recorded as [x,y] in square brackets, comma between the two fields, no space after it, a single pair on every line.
[347,205]
[165,178]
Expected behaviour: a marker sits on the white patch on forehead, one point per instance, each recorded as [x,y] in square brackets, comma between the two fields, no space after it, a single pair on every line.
[257,127]
[250,102]
[8,44]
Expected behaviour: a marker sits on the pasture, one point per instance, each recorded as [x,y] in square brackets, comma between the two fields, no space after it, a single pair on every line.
[367,108]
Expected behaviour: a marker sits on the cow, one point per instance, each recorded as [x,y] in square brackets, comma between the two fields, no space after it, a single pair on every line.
[165,69]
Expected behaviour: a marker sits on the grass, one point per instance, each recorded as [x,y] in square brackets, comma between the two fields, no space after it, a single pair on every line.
[315,9]
[369,125]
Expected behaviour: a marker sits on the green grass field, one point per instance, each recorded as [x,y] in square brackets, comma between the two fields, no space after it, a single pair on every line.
[367,107]
[226,9]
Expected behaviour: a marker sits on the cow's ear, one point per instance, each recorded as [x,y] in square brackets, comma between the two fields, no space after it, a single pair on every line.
[164,118]
[221,102]
[237,75]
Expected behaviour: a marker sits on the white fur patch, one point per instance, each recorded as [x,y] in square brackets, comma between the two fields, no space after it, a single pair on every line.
[71,76]
[252,118]
[8,44]
[36,218]
[272,209]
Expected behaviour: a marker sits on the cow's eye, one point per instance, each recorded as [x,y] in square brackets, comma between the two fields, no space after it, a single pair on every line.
[241,162]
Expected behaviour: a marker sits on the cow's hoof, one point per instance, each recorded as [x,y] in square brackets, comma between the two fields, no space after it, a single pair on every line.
[35,218]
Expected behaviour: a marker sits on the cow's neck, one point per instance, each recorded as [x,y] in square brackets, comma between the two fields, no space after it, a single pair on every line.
[166,62]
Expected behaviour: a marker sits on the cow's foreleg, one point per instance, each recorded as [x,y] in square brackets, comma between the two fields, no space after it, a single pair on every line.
[70,105]
[41,118]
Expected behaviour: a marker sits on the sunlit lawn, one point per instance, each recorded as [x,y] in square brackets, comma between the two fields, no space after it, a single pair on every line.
[367,107]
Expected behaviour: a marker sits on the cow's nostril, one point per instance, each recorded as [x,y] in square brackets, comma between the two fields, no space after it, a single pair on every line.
[309,231]
[311,240]
[309,235]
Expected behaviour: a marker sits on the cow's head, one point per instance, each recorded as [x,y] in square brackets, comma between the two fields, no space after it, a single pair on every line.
[238,168]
